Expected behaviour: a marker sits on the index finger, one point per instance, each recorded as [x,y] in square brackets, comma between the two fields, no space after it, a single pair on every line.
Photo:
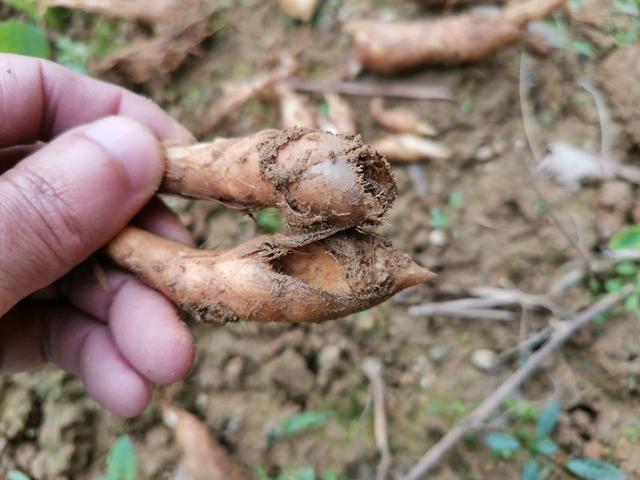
[40,100]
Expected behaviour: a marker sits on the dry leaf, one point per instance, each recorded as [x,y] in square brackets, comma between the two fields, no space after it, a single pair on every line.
[236,95]
[148,58]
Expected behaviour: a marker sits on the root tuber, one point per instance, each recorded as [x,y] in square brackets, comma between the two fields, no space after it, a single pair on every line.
[302,10]
[387,47]
[411,148]
[399,119]
[271,278]
[318,180]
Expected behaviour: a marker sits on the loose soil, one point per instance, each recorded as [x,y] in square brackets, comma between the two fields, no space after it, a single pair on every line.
[250,377]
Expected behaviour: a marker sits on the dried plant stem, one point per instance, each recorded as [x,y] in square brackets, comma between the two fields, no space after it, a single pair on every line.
[437,453]
[373,370]
[373,89]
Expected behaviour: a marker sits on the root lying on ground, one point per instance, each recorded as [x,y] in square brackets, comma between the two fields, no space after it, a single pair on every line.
[297,278]
[406,148]
[318,180]
[399,120]
[389,47]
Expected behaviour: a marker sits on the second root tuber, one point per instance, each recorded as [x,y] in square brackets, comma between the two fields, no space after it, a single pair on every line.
[389,47]
[271,278]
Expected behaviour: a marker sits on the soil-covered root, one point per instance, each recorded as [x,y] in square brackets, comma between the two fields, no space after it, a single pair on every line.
[406,147]
[389,47]
[400,120]
[271,278]
[318,180]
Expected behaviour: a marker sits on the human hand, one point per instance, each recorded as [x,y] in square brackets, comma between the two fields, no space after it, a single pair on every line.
[62,200]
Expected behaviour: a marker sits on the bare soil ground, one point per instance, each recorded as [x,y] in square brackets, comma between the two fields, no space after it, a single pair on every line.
[248,377]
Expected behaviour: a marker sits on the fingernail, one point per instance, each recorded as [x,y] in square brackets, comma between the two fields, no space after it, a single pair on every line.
[135,146]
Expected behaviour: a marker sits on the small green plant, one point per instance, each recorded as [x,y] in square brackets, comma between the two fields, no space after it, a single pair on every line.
[544,455]
[592,469]
[303,473]
[625,273]
[122,463]
[297,424]
[23,39]
[626,239]
[580,46]
[444,218]
[270,220]
[17,475]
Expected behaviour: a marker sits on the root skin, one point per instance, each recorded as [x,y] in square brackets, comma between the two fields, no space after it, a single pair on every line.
[389,47]
[318,180]
[298,278]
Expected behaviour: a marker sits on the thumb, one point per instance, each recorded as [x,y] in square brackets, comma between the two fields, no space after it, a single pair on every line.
[64,202]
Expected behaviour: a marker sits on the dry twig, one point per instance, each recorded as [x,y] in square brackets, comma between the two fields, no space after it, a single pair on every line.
[374,89]
[488,407]
[485,307]
[237,95]
[373,370]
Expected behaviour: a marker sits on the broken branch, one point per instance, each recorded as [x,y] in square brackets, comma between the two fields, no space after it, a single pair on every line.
[374,89]
[488,407]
